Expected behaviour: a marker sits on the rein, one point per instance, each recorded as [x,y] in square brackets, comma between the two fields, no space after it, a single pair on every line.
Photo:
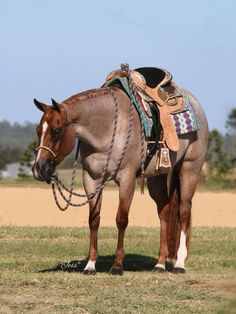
[103,180]
[133,92]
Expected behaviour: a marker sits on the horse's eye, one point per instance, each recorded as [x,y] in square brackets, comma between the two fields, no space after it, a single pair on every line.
[55,133]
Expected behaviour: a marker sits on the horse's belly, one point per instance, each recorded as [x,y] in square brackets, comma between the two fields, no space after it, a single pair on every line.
[153,169]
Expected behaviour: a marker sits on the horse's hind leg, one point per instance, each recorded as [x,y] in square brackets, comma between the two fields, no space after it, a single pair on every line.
[126,192]
[188,177]
[157,187]
[94,221]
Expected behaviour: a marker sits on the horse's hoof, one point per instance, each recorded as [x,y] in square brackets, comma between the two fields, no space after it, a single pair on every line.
[89,272]
[116,271]
[169,266]
[178,270]
[158,269]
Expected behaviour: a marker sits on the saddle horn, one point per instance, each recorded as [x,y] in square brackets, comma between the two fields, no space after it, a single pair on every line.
[56,105]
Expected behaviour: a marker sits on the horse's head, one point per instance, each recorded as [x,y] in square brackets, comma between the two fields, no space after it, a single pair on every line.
[56,140]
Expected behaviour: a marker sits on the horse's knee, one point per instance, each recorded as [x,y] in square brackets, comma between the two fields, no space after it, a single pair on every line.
[122,221]
[94,221]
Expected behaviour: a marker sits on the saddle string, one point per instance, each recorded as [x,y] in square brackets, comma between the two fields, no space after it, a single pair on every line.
[102,181]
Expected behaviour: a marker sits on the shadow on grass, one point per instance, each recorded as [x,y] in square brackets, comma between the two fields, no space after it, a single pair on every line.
[132,262]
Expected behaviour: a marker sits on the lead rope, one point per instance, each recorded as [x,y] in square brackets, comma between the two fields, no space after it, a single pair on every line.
[102,181]
[60,183]
[133,89]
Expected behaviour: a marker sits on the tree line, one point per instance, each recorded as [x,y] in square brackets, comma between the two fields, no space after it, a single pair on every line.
[17,143]
[16,135]
[221,152]
[14,140]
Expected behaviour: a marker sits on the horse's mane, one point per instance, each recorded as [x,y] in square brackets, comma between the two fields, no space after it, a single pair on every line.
[92,93]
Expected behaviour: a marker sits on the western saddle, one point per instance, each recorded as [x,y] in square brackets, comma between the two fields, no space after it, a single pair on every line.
[156,85]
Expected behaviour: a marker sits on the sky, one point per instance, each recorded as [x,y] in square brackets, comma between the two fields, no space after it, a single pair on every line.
[57,48]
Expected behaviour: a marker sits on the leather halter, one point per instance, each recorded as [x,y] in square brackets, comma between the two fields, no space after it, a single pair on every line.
[47,149]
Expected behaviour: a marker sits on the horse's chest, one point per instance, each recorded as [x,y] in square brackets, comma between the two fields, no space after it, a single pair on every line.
[93,164]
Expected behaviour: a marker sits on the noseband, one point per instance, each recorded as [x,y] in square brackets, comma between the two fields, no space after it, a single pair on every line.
[47,149]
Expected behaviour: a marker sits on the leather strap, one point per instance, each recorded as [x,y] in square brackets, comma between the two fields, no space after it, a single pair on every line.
[47,149]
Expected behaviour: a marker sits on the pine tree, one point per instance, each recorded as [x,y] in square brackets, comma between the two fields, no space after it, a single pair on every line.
[231,122]
[216,156]
[231,136]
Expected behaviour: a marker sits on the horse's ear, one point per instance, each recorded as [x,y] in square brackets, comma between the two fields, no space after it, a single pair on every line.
[41,106]
[56,105]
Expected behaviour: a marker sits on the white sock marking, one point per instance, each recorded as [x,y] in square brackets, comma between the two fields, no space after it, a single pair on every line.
[182,251]
[160,266]
[90,265]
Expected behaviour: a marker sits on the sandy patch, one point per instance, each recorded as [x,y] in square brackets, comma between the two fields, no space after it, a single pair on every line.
[35,207]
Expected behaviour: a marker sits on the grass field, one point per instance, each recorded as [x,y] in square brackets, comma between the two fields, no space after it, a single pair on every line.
[41,273]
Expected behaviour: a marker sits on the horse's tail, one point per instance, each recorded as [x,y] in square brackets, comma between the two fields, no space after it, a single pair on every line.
[174,217]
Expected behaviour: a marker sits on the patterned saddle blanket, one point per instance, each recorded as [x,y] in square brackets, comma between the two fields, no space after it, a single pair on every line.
[186,120]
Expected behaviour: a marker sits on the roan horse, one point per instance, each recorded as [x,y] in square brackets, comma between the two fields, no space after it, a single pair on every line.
[89,116]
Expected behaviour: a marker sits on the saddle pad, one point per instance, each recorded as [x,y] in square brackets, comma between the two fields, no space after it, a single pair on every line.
[186,121]
[145,119]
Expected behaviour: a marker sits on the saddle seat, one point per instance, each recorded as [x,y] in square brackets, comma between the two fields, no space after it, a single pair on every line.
[158,85]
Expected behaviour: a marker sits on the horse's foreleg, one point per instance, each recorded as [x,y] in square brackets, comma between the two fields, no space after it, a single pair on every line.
[157,187]
[94,221]
[126,192]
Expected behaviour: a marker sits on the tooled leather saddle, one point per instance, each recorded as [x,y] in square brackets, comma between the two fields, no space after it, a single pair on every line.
[156,85]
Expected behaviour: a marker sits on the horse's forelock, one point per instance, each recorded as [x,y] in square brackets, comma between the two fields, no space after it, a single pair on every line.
[54,118]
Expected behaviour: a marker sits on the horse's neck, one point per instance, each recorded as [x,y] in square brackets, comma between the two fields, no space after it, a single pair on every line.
[92,119]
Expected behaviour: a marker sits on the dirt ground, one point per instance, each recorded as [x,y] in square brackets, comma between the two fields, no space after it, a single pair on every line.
[35,207]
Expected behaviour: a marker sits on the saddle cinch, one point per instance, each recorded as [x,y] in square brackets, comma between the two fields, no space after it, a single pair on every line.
[155,84]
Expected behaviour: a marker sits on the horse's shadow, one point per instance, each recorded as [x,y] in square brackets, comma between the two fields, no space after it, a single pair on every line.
[132,262]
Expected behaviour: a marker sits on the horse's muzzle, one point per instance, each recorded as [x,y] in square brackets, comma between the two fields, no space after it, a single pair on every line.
[43,170]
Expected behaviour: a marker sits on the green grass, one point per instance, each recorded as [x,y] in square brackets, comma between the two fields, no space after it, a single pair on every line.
[65,175]
[32,279]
